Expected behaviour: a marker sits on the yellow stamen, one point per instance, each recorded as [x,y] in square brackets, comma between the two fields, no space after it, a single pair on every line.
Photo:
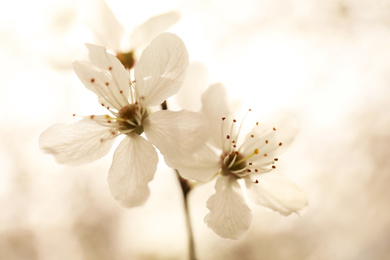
[256,151]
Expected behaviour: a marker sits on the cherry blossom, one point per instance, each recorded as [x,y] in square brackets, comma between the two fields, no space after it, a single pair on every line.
[109,32]
[158,75]
[243,165]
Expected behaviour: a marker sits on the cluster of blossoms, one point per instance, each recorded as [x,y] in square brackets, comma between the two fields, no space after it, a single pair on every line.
[201,146]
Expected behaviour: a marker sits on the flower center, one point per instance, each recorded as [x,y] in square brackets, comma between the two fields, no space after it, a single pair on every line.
[235,163]
[229,163]
[126,58]
[130,118]
[235,160]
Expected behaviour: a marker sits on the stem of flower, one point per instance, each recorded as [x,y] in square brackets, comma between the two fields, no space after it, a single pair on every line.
[186,188]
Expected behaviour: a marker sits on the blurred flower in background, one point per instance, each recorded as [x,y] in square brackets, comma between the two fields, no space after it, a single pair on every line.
[74,23]
[326,63]
[108,32]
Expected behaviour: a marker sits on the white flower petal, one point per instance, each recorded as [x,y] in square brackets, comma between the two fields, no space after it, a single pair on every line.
[214,107]
[229,215]
[103,74]
[146,32]
[161,69]
[200,166]
[189,96]
[98,56]
[175,133]
[276,192]
[270,138]
[103,23]
[201,172]
[82,142]
[133,167]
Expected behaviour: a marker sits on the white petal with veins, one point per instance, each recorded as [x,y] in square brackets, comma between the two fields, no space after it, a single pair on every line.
[105,76]
[201,166]
[161,69]
[214,107]
[98,56]
[229,215]
[82,142]
[276,192]
[175,133]
[133,167]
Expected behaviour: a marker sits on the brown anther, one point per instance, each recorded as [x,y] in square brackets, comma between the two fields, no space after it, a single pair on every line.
[276,159]
[92,80]
[236,153]
[110,68]
[223,118]
[142,97]
[234,120]
[274,129]
[265,155]
[233,142]
[102,104]
[101,140]
[228,137]
[248,170]
[250,163]
[74,114]
[257,123]
[252,136]
[92,116]
[108,107]
[107,83]
[121,91]
[250,109]
[280,144]
[108,121]
[112,132]
[273,167]
[266,141]
[234,145]
[256,181]
[256,170]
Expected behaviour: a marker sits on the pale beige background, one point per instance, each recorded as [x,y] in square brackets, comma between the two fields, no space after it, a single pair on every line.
[326,63]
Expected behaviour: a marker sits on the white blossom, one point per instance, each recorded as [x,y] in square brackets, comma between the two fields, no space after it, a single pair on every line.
[109,32]
[158,75]
[242,165]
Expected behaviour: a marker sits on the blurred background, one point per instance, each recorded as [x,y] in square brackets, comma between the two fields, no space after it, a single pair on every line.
[326,63]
